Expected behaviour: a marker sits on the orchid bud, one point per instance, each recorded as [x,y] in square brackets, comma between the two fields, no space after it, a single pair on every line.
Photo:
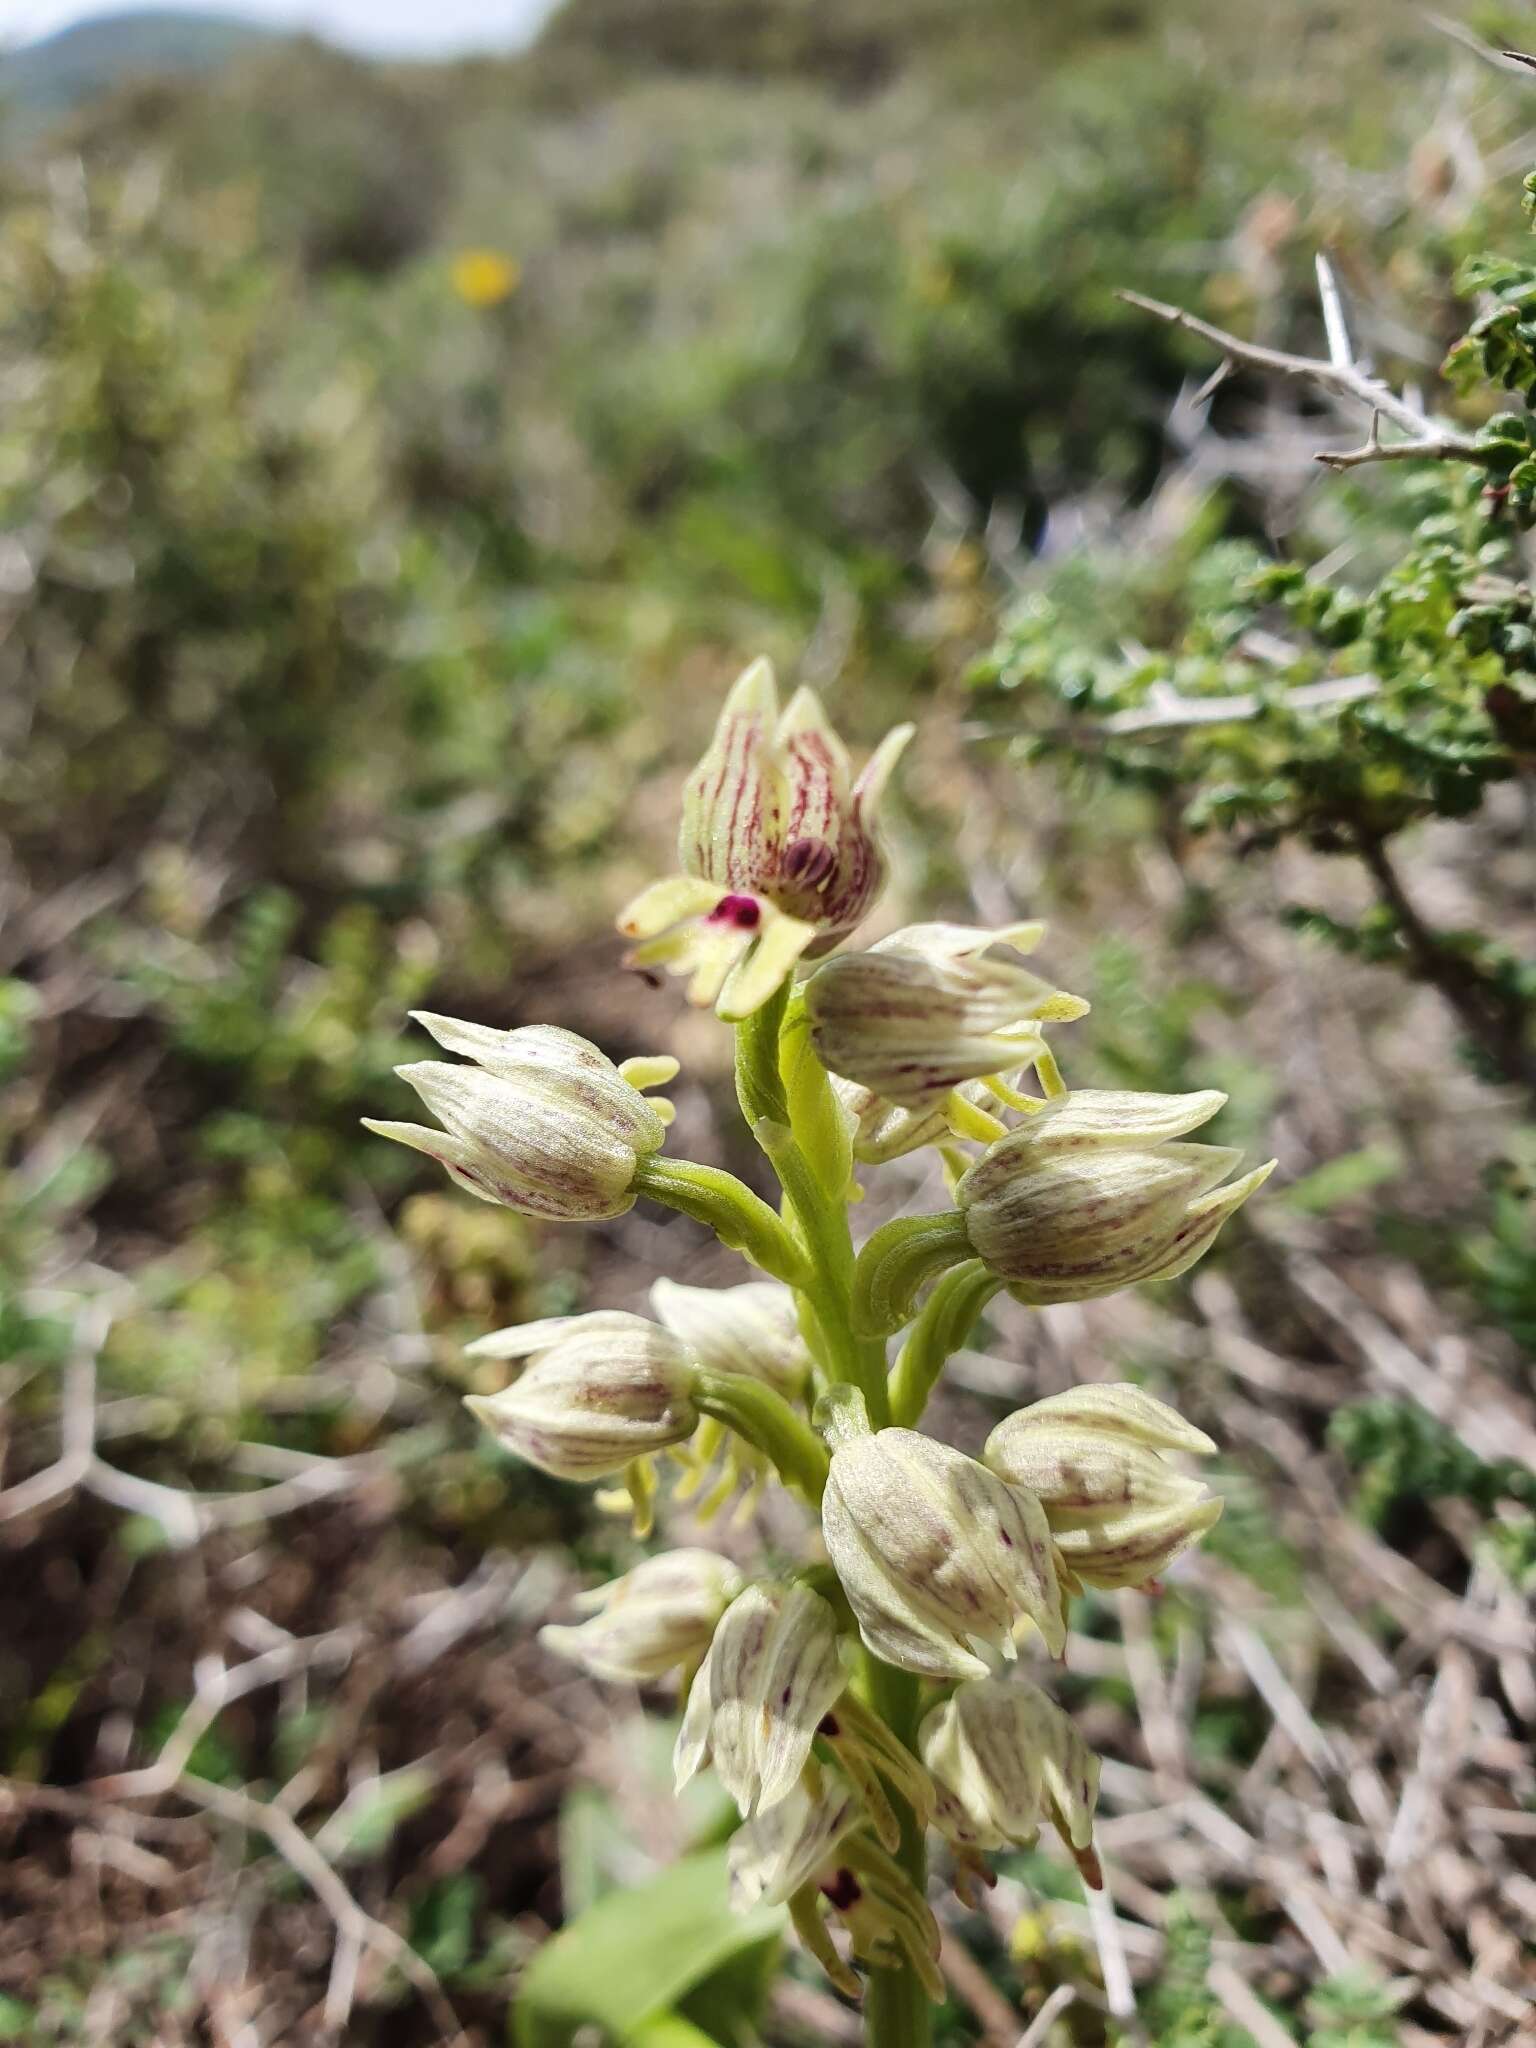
[1003,1757]
[1119,1512]
[752,1331]
[1092,1194]
[650,1621]
[780,855]
[787,1844]
[540,1121]
[928,1008]
[936,1554]
[773,1671]
[808,1852]
[600,1390]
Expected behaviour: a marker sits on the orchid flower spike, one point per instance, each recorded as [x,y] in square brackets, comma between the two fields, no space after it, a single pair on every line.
[773,1671]
[752,1330]
[1003,1757]
[932,1007]
[939,1558]
[652,1620]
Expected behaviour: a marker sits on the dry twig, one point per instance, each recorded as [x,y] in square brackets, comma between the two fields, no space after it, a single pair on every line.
[1346,380]
[184,1517]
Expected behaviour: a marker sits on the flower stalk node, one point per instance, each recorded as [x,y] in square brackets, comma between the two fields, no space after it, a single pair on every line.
[897,1262]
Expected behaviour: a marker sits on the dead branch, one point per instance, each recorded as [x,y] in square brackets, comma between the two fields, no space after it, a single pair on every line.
[1165,709]
[184,1517]
[355,1928]
[357,1932]
[1346,380]
[1034,2034]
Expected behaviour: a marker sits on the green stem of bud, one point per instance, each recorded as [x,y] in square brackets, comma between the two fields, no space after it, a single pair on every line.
[766,1419]
[947,1319]
[669,2030]
[729,1208]
[896,1262]
[759,1087]
[816,1206]
[841,1416]
[822,1128]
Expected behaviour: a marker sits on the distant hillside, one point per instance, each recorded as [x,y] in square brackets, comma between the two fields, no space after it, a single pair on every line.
[79,63]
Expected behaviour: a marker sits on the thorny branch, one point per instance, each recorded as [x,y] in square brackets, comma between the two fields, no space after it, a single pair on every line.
[1494,1021]
[1340,378]
[1164,709]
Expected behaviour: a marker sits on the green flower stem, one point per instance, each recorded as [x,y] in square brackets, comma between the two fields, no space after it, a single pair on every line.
[819,1212]
[759,1085]
[896,1261]
[897,2011]
[821,1578]
[823,1225]
[823,1128]
[947,1319]
[729,1208]
[669,2030]
[766,1419]
[770,1051]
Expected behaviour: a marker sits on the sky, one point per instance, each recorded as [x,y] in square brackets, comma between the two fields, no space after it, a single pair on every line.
[402,28]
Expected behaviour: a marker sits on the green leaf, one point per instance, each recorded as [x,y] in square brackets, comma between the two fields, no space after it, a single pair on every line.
[1341,1180]
[736,1992]
[16,2016]
[601,1847]
[588,1831]
[365,1823]
[631,1957]
[443,1922]
[671,2030]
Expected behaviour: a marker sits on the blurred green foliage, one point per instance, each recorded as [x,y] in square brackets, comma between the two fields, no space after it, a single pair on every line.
[1402,1454]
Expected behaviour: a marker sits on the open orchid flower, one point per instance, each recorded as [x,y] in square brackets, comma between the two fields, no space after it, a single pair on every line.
[779,849]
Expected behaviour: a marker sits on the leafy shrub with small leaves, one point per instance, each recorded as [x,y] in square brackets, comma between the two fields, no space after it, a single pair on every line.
[1404,1454]
[1272,701]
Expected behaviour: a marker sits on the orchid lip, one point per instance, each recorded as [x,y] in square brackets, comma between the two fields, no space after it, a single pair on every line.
[740,910]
